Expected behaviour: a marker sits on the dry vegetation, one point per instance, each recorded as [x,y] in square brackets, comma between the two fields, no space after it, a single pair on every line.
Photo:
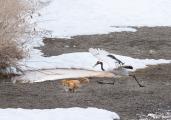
[14,15]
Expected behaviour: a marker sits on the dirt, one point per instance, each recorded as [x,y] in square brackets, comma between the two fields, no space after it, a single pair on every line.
[125,97]
[145,43]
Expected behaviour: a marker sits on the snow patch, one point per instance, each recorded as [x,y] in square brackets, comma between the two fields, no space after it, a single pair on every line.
[66,18]
[58,114]
[57,74]
[81,60]
[162,115]
[73,65]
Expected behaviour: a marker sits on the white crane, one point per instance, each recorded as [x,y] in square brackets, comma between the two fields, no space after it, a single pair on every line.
[115,65]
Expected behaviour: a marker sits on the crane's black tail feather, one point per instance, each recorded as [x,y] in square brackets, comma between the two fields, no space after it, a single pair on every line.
[113,57]
[128,67]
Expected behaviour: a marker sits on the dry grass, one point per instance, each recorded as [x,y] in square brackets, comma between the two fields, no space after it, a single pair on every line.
[14,15]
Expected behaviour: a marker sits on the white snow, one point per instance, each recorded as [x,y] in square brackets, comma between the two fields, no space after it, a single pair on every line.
[166,115]
[73,65]
[57,74]
[58,114]
[82,60]
[66,18]
[162,115]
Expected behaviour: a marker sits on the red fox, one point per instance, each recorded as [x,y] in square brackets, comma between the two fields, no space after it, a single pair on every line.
[73,84]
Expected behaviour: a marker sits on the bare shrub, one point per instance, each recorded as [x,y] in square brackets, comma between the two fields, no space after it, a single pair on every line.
[14,18]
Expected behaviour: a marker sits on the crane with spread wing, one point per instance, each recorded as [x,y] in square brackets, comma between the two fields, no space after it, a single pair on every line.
[115,66]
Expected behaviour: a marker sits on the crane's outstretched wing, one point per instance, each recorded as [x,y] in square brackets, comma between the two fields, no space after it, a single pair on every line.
[105,56]
[113,57]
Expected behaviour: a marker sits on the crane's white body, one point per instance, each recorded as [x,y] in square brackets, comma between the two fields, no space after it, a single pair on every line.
[101,55]
[116,66]
[110,64]
[120,71]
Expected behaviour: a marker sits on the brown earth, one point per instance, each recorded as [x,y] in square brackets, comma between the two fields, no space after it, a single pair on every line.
[125,97]
[145,43]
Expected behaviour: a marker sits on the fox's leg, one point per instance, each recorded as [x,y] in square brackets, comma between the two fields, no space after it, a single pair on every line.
[66,89]
[114,81]
[71,90]
[74,88]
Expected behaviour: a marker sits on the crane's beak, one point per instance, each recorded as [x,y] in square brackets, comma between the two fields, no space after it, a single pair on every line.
[95,64]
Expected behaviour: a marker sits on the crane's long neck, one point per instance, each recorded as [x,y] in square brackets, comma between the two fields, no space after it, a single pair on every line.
[102,66]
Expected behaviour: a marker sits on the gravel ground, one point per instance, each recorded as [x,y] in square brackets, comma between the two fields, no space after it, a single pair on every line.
[145,43]
[125,97]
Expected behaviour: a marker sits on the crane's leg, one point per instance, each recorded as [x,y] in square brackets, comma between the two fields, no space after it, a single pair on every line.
[137,81]
[112,83]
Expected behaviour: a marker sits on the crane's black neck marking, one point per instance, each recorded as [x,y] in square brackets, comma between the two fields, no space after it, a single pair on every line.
[113,57]
[101,63]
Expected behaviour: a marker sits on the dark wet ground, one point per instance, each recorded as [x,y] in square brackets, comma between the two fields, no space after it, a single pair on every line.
[145,43]
[125,97]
